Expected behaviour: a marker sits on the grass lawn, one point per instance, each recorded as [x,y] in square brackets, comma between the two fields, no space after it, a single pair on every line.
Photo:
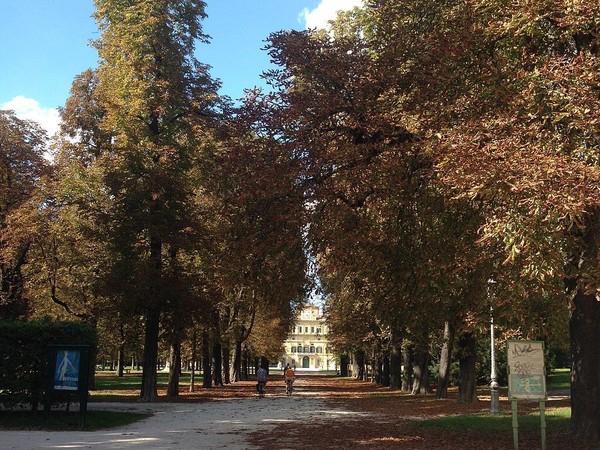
[66,421]
[133,381]
[111,388]
[559,379]
[556,419]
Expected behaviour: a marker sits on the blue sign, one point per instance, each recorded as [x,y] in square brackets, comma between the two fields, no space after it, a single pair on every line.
[66,373]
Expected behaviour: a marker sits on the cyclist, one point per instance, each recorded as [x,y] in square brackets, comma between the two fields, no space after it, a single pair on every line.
[261,378]
[289,375]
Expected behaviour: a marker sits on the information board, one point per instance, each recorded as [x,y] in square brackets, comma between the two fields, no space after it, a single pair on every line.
[526,370]
[66,373]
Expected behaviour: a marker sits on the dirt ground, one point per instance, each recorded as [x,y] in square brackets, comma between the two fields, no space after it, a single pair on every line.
[323,413]
[392,421]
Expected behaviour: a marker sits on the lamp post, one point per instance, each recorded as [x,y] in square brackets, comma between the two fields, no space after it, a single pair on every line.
[494,400]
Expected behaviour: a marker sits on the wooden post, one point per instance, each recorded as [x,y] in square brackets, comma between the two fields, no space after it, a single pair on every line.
[515,425]
[543,423]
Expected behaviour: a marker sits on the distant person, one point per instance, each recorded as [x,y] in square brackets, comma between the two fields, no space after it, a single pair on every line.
[261,378]
[289,375]
[289,372]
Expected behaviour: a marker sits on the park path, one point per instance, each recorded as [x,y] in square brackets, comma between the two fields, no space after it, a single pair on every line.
[221,423]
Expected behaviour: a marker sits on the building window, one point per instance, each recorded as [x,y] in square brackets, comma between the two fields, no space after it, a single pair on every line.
[299,329]
[306,349]
[312,348]
[319,350]
[318,330]
[312,329]
[306,329]
[327,350]
[293,349]
[299,348]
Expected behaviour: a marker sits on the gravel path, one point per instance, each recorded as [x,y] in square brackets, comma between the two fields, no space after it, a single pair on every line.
[209,425]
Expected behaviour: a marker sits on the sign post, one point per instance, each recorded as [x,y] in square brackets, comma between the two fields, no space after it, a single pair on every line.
[68,373]
[526,381]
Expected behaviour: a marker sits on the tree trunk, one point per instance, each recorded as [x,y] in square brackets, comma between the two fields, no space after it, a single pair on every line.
[13,306]
[359,357]
[217,356]
[121,356]
[148,392]
[245,364]
[385,374]
[585,351]
[218,364]
[407,362]
[378,363]
[585,369]
[467,386]
[149,378]
[237,361]
[121,363]
[445,361]
[175,368]
[226,364]
[344,362]
[206,361]
[395,363]
[194,357]
[421,372]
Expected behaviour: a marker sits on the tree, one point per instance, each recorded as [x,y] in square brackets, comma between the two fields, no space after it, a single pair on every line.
[378,217]
[509,96]
[156,99]
[252,247]
[410,116]
[22,165]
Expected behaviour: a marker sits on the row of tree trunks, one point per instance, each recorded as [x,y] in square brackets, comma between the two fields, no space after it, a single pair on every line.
[215,363]
[400,366]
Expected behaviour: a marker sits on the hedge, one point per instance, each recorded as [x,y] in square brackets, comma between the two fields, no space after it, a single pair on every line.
[24,357]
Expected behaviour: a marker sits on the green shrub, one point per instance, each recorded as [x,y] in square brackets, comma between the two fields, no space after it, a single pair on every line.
[24,357]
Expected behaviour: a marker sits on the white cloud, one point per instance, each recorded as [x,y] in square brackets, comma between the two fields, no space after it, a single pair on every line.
[326,10]
[29,109]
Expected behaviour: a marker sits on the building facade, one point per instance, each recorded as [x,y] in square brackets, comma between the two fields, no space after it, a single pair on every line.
[307,346]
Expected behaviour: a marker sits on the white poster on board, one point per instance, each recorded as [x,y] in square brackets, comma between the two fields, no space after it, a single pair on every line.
[526,370]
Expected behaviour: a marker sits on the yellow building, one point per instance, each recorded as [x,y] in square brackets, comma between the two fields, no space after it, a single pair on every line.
[306,346]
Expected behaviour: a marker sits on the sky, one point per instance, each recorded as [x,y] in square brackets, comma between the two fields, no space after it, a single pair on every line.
[44,44]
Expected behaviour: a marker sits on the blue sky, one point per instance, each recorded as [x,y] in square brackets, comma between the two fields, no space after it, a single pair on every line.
[44,44]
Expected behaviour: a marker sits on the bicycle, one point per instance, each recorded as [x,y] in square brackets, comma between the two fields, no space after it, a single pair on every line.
[289,387]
